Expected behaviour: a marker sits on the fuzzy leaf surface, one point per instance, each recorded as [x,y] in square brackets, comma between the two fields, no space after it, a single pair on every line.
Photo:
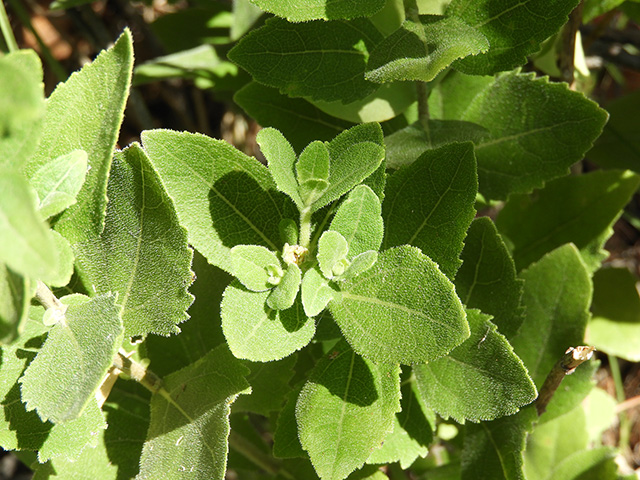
[21,112]
[28,247]
[189,421]
[73,361]
[284,294]
[320,9]
[557,294]
[250,264]
[615,326]
[385,319]
[579,209]
[301,121]
[257,333]
[494,450]
[85,113]
[480,380]
[142,253]
[549,127]
[359,221]
[345,410]
[15,296]
[322,60]
[487,279]
[281,159]
[430,204]
[222,197]
[514,29]
[419,51]
[314,163]
[315,292]
[58,182]
[332,253]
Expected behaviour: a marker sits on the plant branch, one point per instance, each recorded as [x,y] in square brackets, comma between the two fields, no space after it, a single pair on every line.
[571,359]
[138,372]
[7,32]
[567,54]
[46,297]
[625,423]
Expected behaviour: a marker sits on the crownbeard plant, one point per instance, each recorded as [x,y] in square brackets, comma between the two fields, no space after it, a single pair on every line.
[352,308]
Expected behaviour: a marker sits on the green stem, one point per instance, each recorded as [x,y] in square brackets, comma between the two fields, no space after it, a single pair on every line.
[257,457]
[305,227]
[625,424]
[137,372]
[7,32]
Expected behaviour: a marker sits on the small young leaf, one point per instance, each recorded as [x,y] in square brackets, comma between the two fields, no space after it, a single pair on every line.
[493,450]
[419,51]
[513,29]
[487,279]
[322,60]
[482,379]
[359,221]
[189,422]
[288,231]
[58,182]
[591,203]
[354,155]
[64,258]
[315,292]
[320,9]
[73,361]
[545,121]
[28,247]
[430,204]
[222,197]
[312,189]
[285,293]
[386,319]
[281,159]
[332,254]
[254,266]
[257,333]
[85,113]
[359,265]
[557,293]
[313,163]
[142,253]
[15,296]
[345,410]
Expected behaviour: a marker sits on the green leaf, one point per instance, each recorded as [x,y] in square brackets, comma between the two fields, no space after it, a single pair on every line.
[385,319]
[514,29]
[257,333]
[298,119]
[85,113]
[269,385]
[286,443]
[619,144]
[537,128]
[288,231]
[579,209]
[285,293]
[482,379]
[315,292]
[354,155]
[194,63]
[245,14]
[430,204]
[281,159]
[64,260]
[189,422]
[359,221]
[332,254]
[600,410]
[256,267]
[487,279]
[615,326]
[320,9]
[419,51]
[407,144]
[411,435]
[58,182]
[222,197]
[28,247]
[557,294]
[359,265]
[15,295]
[142,253]
[21,112]
[322,60]
[314,163]
[493,450]
[74,359]
[345,410]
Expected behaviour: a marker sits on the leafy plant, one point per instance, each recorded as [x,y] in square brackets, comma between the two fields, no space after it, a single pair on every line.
[350,301]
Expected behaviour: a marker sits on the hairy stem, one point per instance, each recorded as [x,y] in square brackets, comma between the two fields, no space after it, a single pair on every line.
[571,359]
[7,33]
[137,372]
[46,297]
[625,423]
[567,54]
[305,227]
